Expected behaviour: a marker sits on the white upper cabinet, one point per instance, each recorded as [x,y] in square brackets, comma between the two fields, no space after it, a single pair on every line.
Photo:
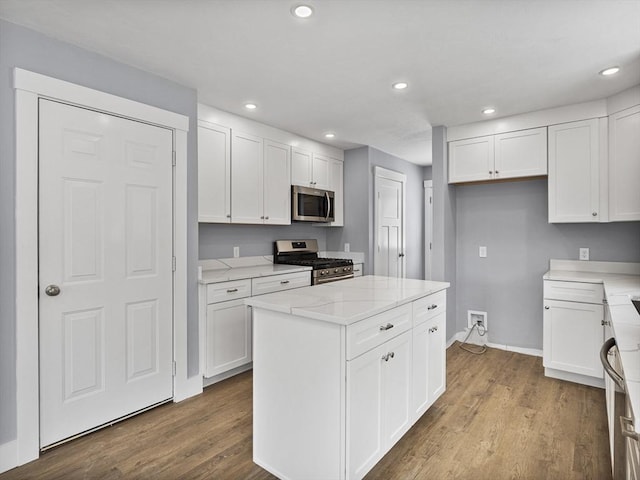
[521,154]
[247,177]
[493,157]
[310,169]
[624,165]
[214,173]
[277,183]
[574,172]
[471,160]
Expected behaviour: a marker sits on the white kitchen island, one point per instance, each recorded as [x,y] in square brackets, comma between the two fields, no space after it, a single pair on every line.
[341,371]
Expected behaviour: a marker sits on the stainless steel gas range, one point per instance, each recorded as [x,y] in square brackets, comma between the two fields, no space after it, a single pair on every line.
[305,252]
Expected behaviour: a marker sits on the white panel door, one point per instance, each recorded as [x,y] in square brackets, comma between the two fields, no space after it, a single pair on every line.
[214,173]
[247,177]
[105,236]
[277,183]
[389,211]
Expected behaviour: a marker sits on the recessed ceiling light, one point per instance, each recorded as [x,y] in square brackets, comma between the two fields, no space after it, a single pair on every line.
[250,106]
[302,11]
[329,135]
[610,71]
[489,111]
[400,85]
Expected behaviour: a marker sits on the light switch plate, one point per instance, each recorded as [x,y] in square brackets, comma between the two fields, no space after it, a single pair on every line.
[482,251]
[347,247]
[584,253]
[236,252]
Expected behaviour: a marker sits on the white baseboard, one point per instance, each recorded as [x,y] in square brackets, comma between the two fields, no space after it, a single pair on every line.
[8,455]
[535,352]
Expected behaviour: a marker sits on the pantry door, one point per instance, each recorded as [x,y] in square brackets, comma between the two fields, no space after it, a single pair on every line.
[105,268]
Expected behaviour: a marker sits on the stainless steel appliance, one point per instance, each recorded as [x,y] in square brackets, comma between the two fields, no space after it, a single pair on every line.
[616,408]
[305,252]
[311,204]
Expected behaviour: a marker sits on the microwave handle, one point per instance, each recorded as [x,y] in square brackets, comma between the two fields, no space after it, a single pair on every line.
[328,206]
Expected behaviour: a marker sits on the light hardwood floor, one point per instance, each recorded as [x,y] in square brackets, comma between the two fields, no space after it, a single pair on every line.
[500,418]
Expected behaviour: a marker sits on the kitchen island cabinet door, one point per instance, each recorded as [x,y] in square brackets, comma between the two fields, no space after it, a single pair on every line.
[379,402]
[214,173]
[428,364]
[228,336]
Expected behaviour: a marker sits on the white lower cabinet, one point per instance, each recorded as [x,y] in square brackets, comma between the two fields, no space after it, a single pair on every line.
[228,336]
[429,378]
[378,401]
[573,331]
[358,269]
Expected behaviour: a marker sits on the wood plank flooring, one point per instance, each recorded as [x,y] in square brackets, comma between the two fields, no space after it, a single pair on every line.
[500,418]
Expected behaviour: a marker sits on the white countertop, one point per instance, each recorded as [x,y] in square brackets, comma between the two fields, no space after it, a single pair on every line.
[347,301]
[241,273]
[625,321]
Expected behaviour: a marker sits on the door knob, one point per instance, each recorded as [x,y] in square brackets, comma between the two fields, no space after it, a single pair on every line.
[52,290]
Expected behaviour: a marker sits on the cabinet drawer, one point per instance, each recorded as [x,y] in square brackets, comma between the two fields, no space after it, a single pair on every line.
[276,283]
[371,332]
[358,268]
[574,291]
[221,292]
[428,307]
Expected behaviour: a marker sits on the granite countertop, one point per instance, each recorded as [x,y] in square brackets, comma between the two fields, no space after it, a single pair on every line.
[347,301]
[625,322]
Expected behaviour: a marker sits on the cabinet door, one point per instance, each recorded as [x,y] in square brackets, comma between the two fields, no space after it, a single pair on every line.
[428,363]
[397,391]
[521,154]
[214,173]
[624,165]
[574,193]
[337,186]
[301,170]
[277,183]
[228,336]
[364,412]
[572,337]
[321,172]
[247,179]
[471,160]
[358,269]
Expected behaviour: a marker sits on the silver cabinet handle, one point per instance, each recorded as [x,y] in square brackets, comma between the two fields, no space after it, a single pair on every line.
[604,322]
[626,426]
[388,356]
[52,290]
[497,172]
[284,282]
[386,327]
[401,254]
[433,329]
[595,214]
[546,307]
[490,172]
[232,290]
[267,217]
[228,215]
[431,307]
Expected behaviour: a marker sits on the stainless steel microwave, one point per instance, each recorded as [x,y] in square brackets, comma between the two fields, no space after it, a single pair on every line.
[311,204]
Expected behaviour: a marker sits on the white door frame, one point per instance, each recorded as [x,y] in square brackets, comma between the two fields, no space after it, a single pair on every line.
[398,177]
[428,228]
[29,87]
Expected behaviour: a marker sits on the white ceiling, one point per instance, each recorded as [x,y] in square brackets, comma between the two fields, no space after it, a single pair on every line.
[333,72]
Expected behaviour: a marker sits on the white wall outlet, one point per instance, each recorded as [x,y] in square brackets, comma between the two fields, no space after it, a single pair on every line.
[584,253]
[347,247]
[482,251]
[236,252]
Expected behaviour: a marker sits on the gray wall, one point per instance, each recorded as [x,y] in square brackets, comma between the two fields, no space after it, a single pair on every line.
[359,173]
[24,48]
[217,241]
[511,220]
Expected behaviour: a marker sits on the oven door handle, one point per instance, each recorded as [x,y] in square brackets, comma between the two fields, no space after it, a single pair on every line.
[326,194]
[604,352]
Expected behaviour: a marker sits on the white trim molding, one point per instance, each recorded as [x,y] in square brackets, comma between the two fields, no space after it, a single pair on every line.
[8,455]
[459,337]
[29,87]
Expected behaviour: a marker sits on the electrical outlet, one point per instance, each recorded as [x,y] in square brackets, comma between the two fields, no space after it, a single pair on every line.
[475,317]
[236,252]
[347,247]
[584,253]
[482,251]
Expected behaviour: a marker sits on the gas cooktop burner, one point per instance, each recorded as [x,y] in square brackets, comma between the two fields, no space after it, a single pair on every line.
[305,253]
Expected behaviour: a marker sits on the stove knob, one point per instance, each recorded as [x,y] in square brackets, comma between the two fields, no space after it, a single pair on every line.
[322,272]
[347,269]
[336,270]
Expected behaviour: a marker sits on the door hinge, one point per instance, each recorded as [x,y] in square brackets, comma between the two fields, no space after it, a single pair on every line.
[174,368]
[173,158]
[173,264]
